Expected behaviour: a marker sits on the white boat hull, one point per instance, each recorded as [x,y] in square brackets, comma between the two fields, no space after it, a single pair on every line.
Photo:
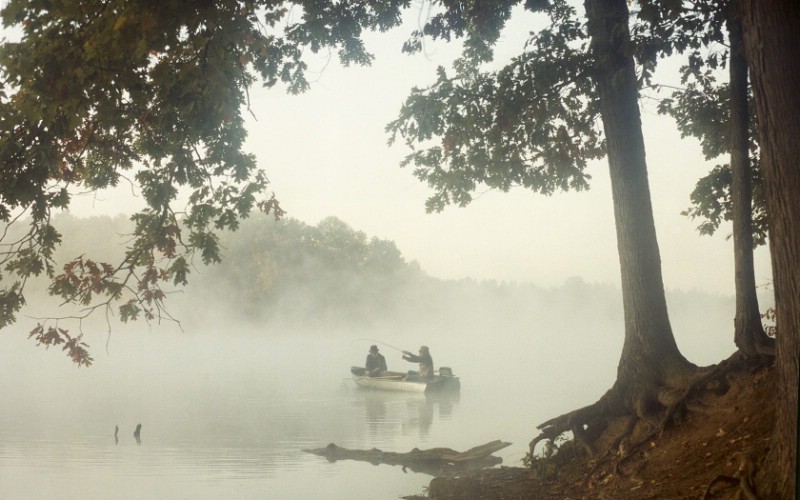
[396,381]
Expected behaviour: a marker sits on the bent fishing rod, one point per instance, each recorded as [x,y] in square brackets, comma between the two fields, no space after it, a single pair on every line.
[382,343]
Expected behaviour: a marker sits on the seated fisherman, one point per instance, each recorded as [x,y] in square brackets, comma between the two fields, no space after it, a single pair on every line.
[425,363]
[376,363]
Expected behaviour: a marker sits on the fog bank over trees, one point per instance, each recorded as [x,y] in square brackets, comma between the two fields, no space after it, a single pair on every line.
[288,275]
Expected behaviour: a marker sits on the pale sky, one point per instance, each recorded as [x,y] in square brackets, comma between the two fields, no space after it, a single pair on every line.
[326,154]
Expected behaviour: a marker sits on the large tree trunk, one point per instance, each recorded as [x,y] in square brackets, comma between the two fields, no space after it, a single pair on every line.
[650,357]
[772,45]
[748,335]
[652,375]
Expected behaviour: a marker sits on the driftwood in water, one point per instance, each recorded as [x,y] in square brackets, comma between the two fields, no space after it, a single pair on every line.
[435,461]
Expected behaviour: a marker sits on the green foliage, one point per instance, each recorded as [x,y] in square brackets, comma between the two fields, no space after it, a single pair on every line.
[478,22]
[533,123]
[701,111]
[11,301]
[97,92]
[711,200]
[712,204]
[667,27]
[701,107]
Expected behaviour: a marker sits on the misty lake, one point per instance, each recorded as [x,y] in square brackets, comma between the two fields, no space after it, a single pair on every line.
[227,415]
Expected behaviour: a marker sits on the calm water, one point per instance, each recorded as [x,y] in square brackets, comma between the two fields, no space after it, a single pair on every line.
[227,417]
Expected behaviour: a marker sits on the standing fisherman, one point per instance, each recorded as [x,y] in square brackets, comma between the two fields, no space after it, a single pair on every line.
[376,363]
[425,362]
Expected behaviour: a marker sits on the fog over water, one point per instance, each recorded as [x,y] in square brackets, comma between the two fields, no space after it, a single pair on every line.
[227,404]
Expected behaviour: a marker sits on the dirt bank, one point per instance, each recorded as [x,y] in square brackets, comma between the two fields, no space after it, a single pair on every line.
[730,432]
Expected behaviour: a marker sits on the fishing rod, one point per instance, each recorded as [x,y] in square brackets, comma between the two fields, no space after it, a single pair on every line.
[381,343]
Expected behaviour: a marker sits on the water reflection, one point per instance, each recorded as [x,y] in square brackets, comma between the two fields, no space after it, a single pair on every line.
[384,411]
[237,428]
[439,462]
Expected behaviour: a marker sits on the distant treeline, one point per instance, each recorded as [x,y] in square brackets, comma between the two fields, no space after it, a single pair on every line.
[289,271]
[333,275]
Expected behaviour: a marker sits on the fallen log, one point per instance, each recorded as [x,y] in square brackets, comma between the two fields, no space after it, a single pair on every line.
[440,462]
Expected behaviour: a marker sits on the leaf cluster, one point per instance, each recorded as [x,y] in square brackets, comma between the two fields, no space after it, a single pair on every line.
[694,28]
[100,92]
[533,123]
[699,31]
[54,336]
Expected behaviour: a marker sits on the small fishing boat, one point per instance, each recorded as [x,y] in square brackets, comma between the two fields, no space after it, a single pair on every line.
[445,381]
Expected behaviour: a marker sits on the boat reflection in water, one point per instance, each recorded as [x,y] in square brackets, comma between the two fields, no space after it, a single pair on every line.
[385,411]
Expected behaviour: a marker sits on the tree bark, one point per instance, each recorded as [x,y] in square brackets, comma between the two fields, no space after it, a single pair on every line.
[654,380]
[650,357]
[652,375]
[772,46]
[749,334]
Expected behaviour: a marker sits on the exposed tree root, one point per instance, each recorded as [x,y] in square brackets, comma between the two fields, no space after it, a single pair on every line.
[716,381]
[586,424]
[745,489]
[703,409]
[743,481]
[702,454]
[680,402]
[616,426]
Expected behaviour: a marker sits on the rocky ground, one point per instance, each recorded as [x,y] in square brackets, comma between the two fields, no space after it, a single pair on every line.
[687,461]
